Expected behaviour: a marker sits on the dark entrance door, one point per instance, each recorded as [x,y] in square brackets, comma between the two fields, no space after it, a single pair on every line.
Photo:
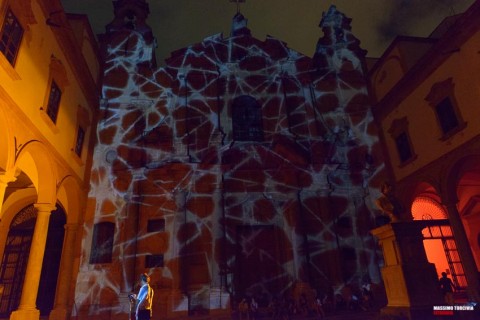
[15,258]
[261,261]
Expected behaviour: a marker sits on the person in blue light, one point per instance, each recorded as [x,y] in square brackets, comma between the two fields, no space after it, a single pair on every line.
[144,299]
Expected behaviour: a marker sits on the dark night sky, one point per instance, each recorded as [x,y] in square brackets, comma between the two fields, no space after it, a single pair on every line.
[178,23]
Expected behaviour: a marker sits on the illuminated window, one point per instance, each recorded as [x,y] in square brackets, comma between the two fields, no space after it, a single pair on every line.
[247,119]
[79,141]
[102,243]
[399,133]
[442,99]
[154,261]
[11,37]
[54,101]
[55,87]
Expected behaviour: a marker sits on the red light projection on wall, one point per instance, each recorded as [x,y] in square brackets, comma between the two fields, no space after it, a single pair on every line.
[257,158]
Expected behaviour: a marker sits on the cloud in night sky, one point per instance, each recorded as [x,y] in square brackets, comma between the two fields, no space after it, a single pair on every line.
[405,17]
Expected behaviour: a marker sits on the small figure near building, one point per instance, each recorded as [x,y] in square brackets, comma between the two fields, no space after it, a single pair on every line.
[447,287]
[144,299]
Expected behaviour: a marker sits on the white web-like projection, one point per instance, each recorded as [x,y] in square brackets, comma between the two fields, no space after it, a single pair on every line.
[290,199]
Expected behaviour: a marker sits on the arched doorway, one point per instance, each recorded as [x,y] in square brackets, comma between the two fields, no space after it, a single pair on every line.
[15,258]
[439,243]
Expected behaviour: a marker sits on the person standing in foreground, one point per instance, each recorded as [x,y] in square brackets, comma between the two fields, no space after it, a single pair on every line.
[144,299]
[447,286]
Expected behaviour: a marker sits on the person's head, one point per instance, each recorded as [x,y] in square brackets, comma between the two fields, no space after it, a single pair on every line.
[386,188]
[144,278]
[444,274]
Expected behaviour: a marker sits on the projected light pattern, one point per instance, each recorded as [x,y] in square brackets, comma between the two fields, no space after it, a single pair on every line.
[257,157]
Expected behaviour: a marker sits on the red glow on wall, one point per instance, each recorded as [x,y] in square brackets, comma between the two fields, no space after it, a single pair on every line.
[424,208]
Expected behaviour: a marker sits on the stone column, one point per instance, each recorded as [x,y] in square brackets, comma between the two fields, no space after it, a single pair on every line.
[27,308]
[5,178]
[465,252]
[61,309]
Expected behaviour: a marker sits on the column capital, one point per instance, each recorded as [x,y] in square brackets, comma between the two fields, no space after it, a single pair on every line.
[44,207]
[6,177]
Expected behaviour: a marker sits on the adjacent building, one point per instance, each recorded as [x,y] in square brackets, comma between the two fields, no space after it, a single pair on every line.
[49,94]
[427,93]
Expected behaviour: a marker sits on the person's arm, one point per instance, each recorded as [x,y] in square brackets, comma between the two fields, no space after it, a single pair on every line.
[140,298]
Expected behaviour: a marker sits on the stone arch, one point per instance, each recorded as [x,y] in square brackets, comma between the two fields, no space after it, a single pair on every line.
[12,205]
[426,202]
[424,185]
[467,167]
[69,195]
[32,159]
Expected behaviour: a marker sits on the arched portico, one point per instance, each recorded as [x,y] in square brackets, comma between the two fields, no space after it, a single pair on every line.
[461,197]
[68,193]
[32,158]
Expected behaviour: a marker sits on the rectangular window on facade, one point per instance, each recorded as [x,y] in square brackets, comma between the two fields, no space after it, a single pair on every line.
[403,147]
[102,243]
[399,132]
[446,115]
[156,225]
[79,141]
[54,101]
[10,37]
[154,261]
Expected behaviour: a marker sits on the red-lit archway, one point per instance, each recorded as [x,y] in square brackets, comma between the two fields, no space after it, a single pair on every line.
[439,243]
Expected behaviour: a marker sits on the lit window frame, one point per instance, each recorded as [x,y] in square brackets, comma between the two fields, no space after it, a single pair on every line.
[57,83]
[398,129]
[11,41]
[440,93]
[54,98]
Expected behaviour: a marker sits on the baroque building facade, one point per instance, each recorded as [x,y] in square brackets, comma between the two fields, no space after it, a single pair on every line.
[240,168]
[49,93]
[426,93]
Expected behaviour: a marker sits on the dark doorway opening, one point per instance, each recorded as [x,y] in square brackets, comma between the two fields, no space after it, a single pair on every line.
[261,261]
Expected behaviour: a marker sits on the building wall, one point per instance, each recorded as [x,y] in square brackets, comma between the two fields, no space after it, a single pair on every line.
[284,212]
[441,168]
[37,163]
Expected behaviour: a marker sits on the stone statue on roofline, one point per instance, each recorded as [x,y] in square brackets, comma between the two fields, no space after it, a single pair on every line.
[389,204]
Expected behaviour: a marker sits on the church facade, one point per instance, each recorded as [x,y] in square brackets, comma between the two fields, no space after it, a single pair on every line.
[240,168]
